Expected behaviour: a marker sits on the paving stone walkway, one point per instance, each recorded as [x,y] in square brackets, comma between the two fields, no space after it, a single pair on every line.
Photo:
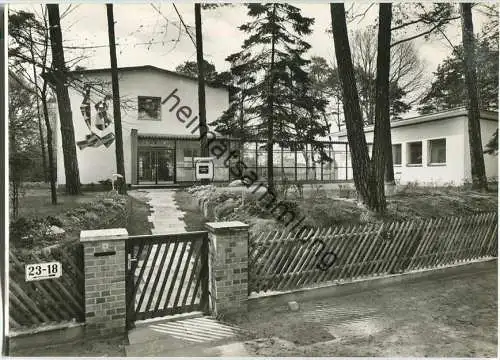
[166,218]
[165,215]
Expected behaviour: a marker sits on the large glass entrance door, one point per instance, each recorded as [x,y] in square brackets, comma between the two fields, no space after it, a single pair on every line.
[155,166]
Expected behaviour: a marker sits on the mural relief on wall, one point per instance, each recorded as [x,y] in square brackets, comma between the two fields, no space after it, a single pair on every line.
[100,129]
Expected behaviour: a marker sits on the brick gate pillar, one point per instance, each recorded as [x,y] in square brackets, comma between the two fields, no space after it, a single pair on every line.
[229,241]
[104,271]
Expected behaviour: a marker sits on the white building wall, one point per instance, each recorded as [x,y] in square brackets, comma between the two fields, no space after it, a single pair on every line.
[488,127]
[426,174]
[99,163]
[450,173]
[454,128]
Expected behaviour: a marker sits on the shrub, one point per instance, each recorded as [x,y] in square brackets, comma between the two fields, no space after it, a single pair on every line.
[91,217]
[52,220]
[106,183]
[27,233]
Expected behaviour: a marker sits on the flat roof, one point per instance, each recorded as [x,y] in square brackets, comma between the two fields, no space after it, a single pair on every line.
[146,68]
[180,136]
[442,115]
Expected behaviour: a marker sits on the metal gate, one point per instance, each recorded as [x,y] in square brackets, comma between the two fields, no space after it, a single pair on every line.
[166,275]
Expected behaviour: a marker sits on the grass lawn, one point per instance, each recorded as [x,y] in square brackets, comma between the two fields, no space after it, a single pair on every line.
[408,204]
[87,211]
[36,202]
[137,222]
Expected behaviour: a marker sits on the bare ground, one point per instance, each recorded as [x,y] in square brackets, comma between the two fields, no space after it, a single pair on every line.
[446,317]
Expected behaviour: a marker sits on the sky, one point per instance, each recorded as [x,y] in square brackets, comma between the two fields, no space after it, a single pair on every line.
[151,34]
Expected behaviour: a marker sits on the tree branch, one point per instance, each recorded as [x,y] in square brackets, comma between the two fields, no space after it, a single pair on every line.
[440,23]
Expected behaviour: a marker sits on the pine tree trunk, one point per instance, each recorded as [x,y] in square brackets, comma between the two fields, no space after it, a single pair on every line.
[361,167]
[270,115]
[50,150]
[389,161]
[382,132]
[202,113]
[67,131]
[39,116]
[478,171]
[117,116]
[42,141]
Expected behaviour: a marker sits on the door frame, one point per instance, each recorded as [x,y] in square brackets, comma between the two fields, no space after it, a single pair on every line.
[155,150]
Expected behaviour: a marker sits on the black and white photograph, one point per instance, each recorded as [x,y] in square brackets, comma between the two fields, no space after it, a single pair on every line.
[289,179]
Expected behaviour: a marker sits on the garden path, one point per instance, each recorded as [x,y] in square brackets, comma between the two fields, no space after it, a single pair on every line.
[166,218]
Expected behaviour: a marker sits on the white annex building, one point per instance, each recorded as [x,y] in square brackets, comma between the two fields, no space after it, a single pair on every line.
[434,149]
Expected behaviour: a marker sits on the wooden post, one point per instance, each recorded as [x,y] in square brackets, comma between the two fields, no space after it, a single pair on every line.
[202,114]
[205,273]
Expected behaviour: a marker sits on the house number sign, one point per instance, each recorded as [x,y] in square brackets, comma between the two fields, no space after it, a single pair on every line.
[50,270]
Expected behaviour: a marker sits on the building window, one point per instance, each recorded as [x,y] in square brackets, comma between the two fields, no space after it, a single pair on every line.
[415,153]
[396,154]
[149,108]
[189,155]
[437,151]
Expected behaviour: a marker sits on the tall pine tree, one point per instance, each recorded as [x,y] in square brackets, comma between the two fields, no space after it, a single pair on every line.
[273,100]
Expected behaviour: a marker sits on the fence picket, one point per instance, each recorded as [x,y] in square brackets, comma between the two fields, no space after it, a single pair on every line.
[157,278]
[372,241]
[483,235]
[368,250]
[454,238]
[308,237]
[440,243]
[466,225]
[397,243]
[345,251]
[331,245]
[352,252]
[37,302]
[360,250]
[427,240]
[28,302]
[491,246]
[21,312]
[337,243]
[470,225]
[377,257]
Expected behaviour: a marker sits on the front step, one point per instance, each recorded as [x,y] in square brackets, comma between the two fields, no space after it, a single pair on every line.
[161,338]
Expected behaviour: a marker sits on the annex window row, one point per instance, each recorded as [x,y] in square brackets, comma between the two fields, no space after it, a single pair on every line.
[436,152]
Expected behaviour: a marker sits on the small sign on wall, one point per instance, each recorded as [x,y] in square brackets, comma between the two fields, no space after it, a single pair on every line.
[43,271]
[204,168]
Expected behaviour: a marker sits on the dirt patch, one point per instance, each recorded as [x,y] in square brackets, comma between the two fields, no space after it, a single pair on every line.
[326,208]
[137,222]
[89,348]
[450,316]
[193,217]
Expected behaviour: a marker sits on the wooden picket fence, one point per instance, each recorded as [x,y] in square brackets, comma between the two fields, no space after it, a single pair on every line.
[43,302]
[280,260]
